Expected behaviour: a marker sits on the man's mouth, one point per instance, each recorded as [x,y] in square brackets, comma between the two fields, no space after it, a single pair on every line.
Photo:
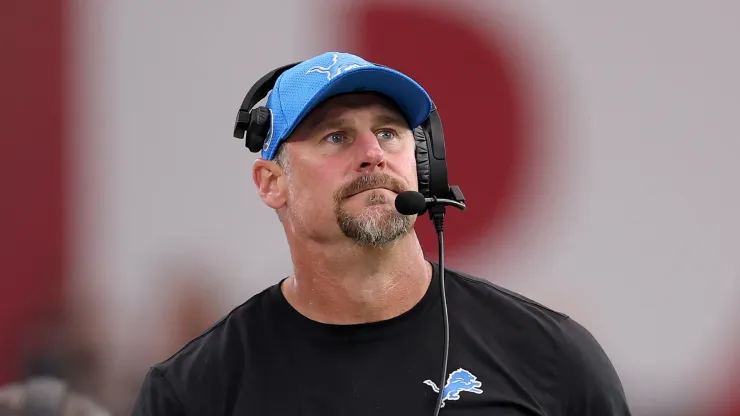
[370,189]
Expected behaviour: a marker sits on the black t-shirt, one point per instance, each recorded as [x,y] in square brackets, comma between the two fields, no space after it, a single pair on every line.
[508,356]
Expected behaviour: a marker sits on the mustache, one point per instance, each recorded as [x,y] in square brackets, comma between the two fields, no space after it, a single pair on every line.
[366,182]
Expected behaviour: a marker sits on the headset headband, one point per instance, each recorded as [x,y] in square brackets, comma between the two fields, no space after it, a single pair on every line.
[258,91]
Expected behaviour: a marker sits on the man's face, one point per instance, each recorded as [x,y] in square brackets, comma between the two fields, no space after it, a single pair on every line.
[347,161]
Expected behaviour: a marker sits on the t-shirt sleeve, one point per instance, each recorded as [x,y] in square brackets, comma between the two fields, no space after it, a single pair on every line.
[592,386]
[156,397]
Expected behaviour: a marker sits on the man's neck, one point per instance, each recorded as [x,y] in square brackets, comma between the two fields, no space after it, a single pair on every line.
[352,284]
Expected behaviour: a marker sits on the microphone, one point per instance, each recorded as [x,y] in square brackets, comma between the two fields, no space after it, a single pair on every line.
[412,202]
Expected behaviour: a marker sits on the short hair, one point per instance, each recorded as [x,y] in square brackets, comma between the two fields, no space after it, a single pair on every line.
[281,157]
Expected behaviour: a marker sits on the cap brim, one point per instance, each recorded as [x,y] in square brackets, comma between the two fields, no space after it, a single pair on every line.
[409,96]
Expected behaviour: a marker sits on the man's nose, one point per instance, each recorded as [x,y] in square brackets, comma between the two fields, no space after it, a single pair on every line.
[371,153]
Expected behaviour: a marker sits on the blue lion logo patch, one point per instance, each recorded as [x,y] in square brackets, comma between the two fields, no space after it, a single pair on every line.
[333,69]
[458,381]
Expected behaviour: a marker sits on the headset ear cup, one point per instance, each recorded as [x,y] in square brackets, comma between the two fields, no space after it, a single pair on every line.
[259,125]
[422,161]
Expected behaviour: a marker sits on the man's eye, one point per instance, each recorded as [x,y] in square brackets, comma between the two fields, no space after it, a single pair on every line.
[386,135]
[335,138]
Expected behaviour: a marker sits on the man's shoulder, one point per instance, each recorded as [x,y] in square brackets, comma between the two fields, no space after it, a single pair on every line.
[506,307]
[581,367]
[501,299]
[204,370]
[220,344]
[505,314]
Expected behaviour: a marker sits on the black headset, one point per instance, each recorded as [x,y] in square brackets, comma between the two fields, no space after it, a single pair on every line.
[253,125]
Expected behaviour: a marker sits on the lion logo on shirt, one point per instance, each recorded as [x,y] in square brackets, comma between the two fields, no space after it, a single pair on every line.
[458,381]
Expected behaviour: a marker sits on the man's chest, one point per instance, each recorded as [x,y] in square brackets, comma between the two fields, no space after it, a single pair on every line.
[375,382]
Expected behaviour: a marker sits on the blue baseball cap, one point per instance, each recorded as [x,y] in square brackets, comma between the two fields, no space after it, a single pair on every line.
[300,89]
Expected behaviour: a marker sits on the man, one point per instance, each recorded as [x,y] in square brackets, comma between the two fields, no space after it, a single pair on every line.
[357,328]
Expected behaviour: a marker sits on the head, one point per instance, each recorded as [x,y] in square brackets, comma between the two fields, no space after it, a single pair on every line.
[340,148]
[338,173]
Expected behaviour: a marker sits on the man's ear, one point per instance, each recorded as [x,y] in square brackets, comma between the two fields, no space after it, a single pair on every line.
[268,177]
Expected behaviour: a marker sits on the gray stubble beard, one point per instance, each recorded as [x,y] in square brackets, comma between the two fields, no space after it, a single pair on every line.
[373,229]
